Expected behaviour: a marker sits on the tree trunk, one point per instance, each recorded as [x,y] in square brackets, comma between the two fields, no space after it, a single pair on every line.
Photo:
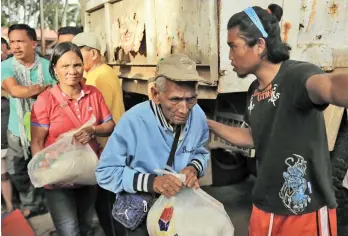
[64,13]
[82,11]
[9,11]
[43,45]
[56,23]
[30,10]
[25,12]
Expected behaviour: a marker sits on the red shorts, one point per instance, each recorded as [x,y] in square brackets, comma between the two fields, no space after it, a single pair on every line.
[320,223]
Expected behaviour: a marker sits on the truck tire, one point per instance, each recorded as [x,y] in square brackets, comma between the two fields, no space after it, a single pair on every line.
[339,158]
[228,167]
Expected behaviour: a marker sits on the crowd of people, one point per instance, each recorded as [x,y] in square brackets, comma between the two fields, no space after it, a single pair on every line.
[293,192]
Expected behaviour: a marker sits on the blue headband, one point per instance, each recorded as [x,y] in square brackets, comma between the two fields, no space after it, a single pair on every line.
[256,20]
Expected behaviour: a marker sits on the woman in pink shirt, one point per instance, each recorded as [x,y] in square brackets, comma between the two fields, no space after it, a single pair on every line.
[71,208]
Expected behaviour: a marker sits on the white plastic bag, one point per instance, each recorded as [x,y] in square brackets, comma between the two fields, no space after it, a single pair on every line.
[64,162]
[190,213]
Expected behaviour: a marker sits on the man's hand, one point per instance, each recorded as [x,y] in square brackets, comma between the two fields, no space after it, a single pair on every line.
[191,177]
[37,89]
[85,135]
[167,185]
[209,122]
[20,91]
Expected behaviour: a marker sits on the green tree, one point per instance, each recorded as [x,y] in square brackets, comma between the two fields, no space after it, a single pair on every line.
[28,12]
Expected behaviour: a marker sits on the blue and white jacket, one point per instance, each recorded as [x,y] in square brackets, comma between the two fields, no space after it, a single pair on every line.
[141,143]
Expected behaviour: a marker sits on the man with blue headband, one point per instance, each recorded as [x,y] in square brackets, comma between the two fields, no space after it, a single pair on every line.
[293,192]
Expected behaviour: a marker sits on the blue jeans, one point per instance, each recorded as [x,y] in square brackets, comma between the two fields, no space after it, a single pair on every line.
[72,210]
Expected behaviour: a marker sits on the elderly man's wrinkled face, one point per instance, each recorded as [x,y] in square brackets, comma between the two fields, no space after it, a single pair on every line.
[176,101]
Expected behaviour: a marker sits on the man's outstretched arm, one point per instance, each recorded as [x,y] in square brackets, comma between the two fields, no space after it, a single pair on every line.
[328,89]
[240,137]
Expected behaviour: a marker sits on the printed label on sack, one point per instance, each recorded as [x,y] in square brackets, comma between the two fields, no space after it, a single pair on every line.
[165,218]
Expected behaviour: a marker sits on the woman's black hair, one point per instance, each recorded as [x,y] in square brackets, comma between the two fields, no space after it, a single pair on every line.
[277,51]
[3,41]
[59,51]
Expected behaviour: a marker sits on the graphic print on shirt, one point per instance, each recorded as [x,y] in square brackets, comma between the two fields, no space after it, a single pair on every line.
[293,192]
[269,93]
[251,105]
[274,95]
[188,150]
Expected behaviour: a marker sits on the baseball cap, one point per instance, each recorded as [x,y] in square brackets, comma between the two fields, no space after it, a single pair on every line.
[177,67]
[88,40]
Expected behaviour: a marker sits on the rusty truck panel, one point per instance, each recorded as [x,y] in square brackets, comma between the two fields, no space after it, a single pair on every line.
[323,30]
[139,33]
[316,30]
[168,26]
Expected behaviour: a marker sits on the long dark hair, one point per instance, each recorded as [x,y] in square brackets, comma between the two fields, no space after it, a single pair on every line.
[277,51]
[59,51]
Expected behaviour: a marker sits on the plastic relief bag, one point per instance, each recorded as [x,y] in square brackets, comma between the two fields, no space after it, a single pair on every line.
[190,213]
[65,162]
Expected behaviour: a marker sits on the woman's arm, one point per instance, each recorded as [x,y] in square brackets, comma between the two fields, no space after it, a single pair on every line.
[38,138]
[103,130]
[106,122]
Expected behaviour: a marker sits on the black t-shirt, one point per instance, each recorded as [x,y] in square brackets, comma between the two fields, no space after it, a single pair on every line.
[294,171]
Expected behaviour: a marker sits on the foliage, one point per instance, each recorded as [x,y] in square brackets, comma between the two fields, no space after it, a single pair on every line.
[28,12]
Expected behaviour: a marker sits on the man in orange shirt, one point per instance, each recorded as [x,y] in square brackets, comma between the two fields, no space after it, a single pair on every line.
[104,78]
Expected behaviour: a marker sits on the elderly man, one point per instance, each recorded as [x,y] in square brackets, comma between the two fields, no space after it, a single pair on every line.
[105,79]
[144,137]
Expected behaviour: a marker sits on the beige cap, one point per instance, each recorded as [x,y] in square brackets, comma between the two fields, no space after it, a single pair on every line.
[88,40]
[177,67]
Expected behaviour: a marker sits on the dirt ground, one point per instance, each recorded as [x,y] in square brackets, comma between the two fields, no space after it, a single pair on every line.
[43,226]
